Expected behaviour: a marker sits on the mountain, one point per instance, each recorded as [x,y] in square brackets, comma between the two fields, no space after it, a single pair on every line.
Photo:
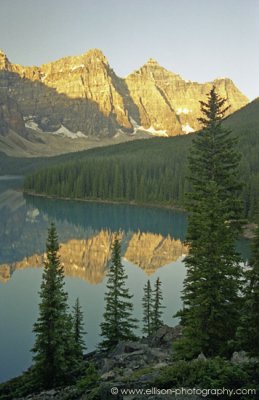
[88,258]
[81,100]
[168,103]
[152,251]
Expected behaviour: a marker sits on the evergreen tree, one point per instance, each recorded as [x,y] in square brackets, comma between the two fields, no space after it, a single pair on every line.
[54,346]
[248,332]
[118,321]
[210,294]
[147,309]
[156,316]
[78,329]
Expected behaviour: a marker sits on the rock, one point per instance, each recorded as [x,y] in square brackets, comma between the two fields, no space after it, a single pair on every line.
[151,251]
[249,230]
[82,95]
[128,347]
[165,336]
[201,357]
[108,376]
[11,118]
[167,102]
[160,365]
[133,356]
[127,372]
[158,355]
[5,272]
[108,364]
[239,357]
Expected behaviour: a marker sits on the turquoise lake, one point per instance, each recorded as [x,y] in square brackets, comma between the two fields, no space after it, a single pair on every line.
[152,246]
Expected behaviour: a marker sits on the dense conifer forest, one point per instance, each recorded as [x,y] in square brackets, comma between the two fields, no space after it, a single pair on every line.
[147,171]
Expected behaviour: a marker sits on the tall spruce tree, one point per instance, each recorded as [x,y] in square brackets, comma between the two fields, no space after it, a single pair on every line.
[118,321]
[54,346]
[210,295]
[147,309]
[248,332]
[78,330]
[156,315]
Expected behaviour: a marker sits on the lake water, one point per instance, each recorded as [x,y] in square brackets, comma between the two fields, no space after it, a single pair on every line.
[152,246]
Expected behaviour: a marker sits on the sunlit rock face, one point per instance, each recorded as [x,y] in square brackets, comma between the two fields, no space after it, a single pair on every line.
[86,259]
[151,251]
[170,104]
[89,258]
[5,273]
[82,96]
[77,93]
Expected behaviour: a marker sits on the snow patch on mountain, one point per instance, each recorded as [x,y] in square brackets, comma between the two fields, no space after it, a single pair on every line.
[187,128]
[156,132]
[63,131]
[30,123]
[151,129]
[184,110]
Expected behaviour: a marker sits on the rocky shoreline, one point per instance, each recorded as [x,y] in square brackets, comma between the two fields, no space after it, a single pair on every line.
[131,365]
[128,370]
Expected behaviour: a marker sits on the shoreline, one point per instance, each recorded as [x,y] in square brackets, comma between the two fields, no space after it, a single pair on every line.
[248,231]
[101,201]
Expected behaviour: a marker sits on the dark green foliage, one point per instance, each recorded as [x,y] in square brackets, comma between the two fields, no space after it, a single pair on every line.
[214,373]
[147,309]
[210,295]
[89,379]
[156,315]
[78,330]
[18,387]
[118,321]
[248,332]
[54,349]
[115,178]
[143,171]
[152,308]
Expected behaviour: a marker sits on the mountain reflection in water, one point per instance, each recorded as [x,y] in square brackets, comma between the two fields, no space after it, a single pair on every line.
[88,258]
[86,231]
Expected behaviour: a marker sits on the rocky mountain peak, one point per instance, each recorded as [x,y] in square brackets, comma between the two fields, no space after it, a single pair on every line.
[83,95]
[153,70]
[152,61]
[4,62]
[150,65]
[95,55]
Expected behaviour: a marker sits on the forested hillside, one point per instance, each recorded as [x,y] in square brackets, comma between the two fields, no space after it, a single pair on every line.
[148,171]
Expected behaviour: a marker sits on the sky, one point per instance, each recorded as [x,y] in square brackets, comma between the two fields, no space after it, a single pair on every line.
[199,39]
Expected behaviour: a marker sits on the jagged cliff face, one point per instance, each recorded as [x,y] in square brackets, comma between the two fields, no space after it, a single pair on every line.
[82,96]
[88,259]
[76,93]
[85,259]
[11,118]
[151,251]
[5,272]
[168,102]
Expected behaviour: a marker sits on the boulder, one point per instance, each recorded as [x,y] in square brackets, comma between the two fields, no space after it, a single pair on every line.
[239,357]
[165,336]
[201,357]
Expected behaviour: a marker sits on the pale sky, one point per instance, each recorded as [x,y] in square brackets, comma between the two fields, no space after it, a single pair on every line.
[198,39]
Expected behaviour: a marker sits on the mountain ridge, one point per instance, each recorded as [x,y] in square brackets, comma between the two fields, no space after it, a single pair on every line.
[82,97]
